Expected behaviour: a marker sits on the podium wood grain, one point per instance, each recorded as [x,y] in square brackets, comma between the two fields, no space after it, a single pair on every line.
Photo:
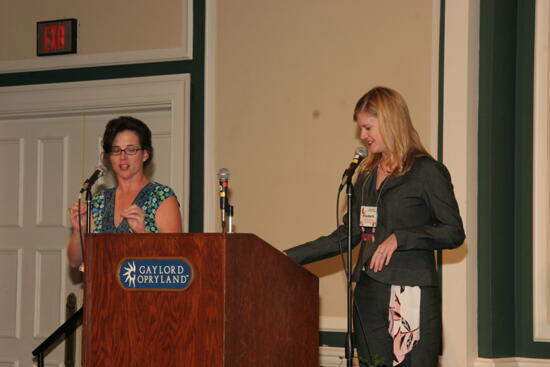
[248,305]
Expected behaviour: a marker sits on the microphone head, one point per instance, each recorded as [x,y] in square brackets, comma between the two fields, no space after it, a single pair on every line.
[101,170]
[223,174]
[361,152]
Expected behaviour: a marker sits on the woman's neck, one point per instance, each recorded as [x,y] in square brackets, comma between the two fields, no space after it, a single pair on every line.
[132,185]
[383,164]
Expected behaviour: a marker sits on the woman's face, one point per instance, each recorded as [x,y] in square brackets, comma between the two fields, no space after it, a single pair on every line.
[369,132]
[127,166]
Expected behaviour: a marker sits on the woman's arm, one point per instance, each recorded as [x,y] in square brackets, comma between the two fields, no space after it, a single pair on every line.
[168,217]
[447,230]
[74,250]
[336,242]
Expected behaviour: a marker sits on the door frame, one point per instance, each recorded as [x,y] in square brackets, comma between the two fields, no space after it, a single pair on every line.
[168,91]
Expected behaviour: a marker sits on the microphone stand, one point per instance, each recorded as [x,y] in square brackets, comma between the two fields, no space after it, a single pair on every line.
[229,211]
[349,335]
[88,210]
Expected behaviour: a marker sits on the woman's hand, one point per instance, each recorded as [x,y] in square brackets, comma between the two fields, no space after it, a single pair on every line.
[383,253]
[73,216]
[135,217]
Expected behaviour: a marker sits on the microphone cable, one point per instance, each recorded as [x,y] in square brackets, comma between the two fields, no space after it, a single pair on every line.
[347,270]
[80,235]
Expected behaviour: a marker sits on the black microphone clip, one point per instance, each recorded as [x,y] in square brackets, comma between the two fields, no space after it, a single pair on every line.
[360,154]
[92,179]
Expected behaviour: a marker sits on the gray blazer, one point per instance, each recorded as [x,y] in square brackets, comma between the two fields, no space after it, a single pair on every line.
[419,207]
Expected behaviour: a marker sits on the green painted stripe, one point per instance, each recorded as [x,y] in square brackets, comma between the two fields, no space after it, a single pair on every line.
[98,73]
[496,291]
[440,113]
[441,82]
[505,164]
[332,339]
[196,190]
[525,346]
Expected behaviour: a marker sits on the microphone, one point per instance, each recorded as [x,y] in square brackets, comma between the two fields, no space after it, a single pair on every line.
[360,154]
[223,176]
[92,179]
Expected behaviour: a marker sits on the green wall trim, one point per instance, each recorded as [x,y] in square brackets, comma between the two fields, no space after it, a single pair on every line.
[196,190]
[98,73]
[194,67]
[496,289]
[440,113]
[332,339]
[441,81]
[525,346]
[505,178]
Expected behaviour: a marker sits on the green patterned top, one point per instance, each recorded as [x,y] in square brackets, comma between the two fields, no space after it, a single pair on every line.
[148,199]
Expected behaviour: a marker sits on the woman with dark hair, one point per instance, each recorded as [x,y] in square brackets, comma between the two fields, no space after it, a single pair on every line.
[404,209]
[136,204]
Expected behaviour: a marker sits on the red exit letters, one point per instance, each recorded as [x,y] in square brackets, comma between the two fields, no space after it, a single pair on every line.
[54,37]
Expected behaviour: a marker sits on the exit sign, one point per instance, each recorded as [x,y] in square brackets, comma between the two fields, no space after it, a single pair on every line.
[56,37]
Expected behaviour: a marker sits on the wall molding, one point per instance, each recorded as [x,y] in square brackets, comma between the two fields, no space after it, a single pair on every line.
[170,91]
[184,51]
[511,362]
[333,324]
[331,356]
[541,295]
[334,357]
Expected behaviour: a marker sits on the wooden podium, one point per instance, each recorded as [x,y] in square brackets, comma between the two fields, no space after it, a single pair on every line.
[246,304]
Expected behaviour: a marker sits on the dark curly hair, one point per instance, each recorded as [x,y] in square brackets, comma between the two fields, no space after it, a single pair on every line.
[124,123]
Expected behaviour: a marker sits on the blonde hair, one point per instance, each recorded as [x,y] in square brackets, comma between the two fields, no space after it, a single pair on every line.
[402,142]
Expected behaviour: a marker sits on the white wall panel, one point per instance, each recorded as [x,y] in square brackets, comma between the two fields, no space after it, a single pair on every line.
[8,363]
[49,290]
[11,161]
[52,181]
[10,291]
[162,146]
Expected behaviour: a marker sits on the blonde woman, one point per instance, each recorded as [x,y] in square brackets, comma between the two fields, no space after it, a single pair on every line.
[404,209]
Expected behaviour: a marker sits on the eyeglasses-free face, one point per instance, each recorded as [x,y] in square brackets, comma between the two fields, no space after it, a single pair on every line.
[129,150]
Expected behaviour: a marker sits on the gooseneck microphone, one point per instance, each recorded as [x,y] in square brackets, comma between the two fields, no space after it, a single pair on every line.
[360,154]
[92,179]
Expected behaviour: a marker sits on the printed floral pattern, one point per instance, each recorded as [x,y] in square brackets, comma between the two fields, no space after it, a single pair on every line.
[404,317]
[148,199]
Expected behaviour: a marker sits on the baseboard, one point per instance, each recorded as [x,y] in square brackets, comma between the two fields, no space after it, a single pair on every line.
[333,357]
[511,362]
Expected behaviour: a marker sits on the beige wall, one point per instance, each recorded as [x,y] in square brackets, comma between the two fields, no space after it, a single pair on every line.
[287,77]
[104,26]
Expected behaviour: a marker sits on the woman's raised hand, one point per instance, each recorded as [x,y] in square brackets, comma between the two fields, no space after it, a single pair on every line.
[135,217]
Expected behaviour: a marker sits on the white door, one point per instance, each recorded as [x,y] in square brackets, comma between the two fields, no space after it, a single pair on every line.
[40,163]
[43,161]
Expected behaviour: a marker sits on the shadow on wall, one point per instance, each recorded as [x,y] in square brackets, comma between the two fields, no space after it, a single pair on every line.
[457,255]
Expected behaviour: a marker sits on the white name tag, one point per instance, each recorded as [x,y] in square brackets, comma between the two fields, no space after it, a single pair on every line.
[368,217]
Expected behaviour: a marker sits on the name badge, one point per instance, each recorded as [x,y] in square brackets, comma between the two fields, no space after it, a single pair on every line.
[368,217]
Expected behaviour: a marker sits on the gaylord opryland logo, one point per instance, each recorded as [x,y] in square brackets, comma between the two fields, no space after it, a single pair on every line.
[155,274]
